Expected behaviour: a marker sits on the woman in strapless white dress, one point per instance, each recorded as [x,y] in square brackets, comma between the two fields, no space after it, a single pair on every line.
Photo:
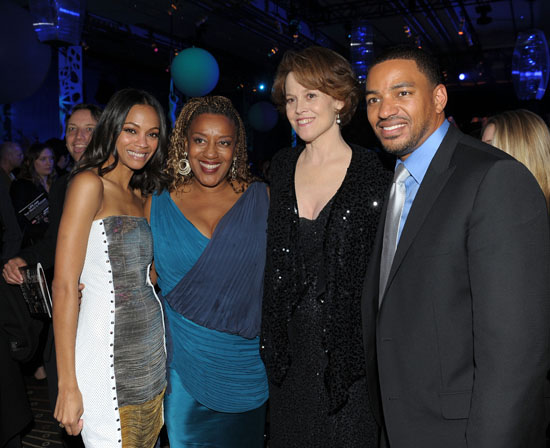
[110,350]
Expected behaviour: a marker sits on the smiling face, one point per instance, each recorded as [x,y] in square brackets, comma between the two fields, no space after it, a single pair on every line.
[139,138]
[211,144]
[403,107]
[43,165]
[80,127]
[311,113]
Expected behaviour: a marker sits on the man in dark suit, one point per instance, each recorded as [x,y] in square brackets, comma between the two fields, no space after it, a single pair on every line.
[456,302]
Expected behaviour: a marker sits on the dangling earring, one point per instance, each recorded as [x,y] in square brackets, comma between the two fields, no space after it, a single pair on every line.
[184,168]
[234,169]
[338,121]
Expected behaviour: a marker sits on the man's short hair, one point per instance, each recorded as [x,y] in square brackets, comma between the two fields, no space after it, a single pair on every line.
[94,110]
[426,63]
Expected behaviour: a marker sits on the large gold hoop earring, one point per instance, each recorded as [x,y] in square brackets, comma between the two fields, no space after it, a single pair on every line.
[184,167]
[234,169]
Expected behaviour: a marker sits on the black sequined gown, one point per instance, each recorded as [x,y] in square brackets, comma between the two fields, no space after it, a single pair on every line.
[300,408]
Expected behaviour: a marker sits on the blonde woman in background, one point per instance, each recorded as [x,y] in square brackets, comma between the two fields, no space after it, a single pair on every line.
[525,136]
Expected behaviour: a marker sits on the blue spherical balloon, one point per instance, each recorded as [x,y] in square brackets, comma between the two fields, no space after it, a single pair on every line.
[263,116]
[25,61]
[195,72]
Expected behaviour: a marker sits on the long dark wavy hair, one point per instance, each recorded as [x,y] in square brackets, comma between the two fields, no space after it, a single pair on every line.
[103,144]
[218,105]
[28,171]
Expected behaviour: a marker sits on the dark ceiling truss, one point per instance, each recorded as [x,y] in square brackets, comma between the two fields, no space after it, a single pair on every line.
[239,13]
[330,12]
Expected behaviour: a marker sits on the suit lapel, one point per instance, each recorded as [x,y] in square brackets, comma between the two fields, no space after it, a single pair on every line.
[435,179]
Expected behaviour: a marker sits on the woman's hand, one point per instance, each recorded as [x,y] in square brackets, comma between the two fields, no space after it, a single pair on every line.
[69,409]
[11,272]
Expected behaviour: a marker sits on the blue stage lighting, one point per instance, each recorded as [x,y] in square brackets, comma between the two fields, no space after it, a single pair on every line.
[462,76]
[531,65]
[261,86]
[59,21]
[361,46]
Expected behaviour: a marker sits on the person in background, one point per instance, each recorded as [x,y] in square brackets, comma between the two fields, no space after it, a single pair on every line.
[79,127]
[32,187]
[326,197]
[11,157]
[525,136]
[209,237]
[29,195]
[110,349]
[15,412]
[63,160]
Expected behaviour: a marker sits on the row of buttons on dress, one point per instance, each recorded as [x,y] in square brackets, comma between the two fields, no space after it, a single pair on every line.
[112,332]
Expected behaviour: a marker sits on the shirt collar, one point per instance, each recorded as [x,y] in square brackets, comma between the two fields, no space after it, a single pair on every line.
[418,162]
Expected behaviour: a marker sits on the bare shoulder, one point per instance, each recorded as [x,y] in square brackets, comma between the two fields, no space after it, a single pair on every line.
[87,181]
[84,194]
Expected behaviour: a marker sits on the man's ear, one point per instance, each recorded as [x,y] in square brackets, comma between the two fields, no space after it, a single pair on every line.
[440,98]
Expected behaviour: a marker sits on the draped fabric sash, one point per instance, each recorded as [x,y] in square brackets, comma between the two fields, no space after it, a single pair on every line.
[223,290]
[213,313]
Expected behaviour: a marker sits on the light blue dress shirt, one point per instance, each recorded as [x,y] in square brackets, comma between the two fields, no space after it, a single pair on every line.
[417,164]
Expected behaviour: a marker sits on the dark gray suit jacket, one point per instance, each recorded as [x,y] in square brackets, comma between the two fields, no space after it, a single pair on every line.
[461,337]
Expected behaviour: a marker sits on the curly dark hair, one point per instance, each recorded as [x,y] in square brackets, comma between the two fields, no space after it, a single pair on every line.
[321,69]
[218,105]
[103,144]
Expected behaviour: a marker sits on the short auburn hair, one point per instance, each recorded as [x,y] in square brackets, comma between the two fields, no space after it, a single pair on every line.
[321,69]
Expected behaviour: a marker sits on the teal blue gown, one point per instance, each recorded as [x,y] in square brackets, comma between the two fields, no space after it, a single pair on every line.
[212,292]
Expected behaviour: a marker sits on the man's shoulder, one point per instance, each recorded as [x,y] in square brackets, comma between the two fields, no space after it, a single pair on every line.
[5,179]
[60,184]
[474,150]
[475,161]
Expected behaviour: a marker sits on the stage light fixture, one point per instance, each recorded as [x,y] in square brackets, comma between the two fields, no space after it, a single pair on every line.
[531,65]
[483,11]
[60,21]
[361,48]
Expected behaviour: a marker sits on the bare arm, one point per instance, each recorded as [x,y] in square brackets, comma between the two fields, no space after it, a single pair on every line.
[83,201]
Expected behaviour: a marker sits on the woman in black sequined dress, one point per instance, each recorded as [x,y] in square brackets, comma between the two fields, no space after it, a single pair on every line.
[326,199]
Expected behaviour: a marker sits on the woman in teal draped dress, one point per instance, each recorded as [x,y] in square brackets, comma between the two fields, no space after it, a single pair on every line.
[209,232]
